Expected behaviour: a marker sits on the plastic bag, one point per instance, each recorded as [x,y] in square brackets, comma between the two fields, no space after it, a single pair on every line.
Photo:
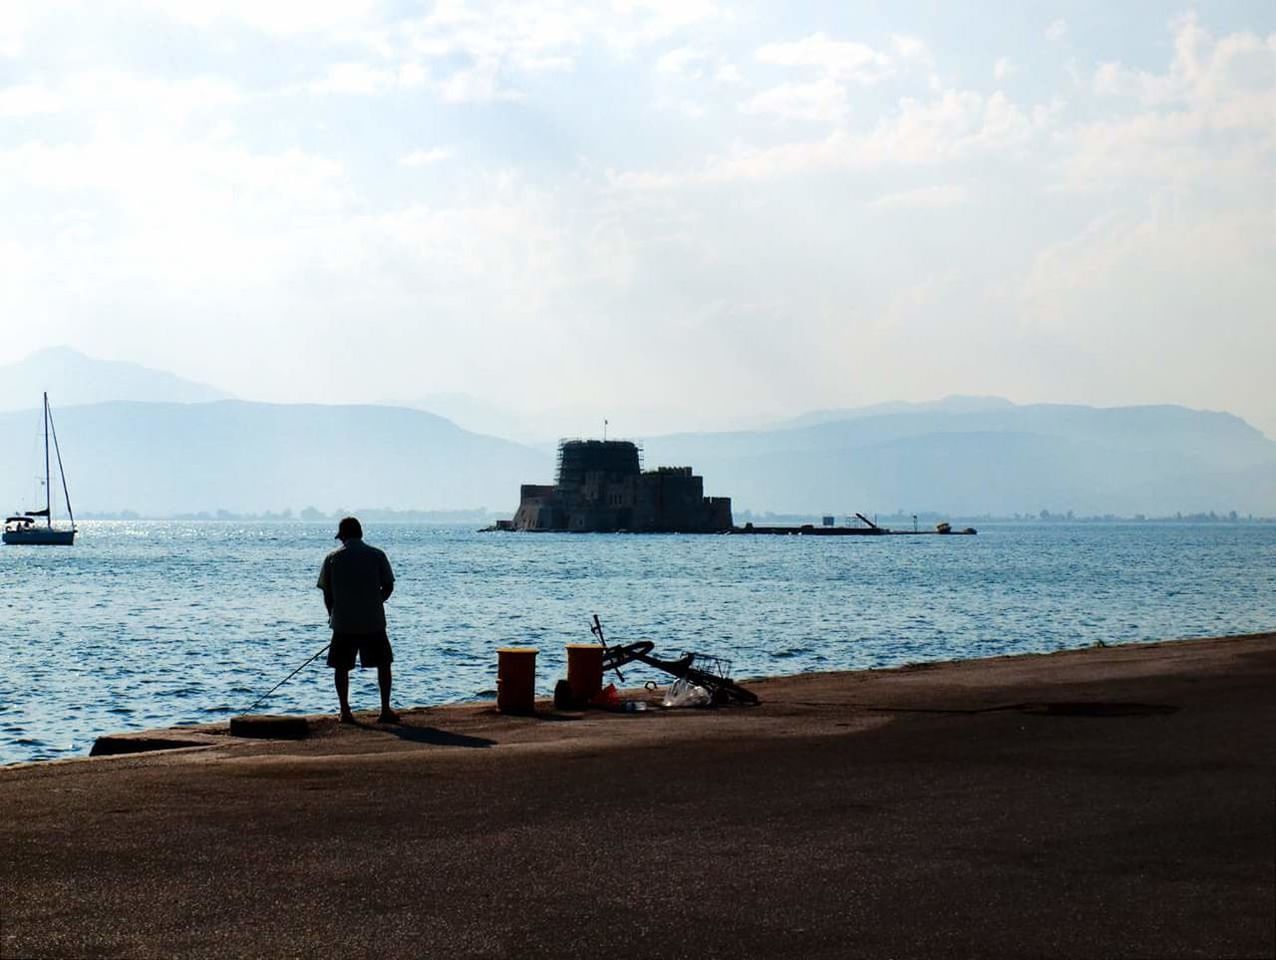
[608,696]
[683,693]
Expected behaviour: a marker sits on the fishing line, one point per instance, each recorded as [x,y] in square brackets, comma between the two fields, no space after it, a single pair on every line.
[289,677]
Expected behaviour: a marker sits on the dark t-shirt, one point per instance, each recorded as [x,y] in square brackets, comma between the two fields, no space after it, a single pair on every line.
[355,574]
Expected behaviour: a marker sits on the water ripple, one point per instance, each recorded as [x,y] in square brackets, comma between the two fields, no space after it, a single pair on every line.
[156,624]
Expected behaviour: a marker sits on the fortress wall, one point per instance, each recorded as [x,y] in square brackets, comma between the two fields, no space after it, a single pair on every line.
[719,510]
[672,500]
[536,507]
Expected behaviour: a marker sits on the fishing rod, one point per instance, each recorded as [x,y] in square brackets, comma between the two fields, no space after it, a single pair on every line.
[289,677]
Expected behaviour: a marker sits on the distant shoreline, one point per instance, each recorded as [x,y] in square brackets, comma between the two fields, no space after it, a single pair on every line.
[465,517]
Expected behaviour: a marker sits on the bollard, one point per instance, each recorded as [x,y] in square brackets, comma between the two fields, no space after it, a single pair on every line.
[584,670]
[516,679]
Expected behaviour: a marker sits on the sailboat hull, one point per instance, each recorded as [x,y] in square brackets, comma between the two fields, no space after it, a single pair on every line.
[39,537]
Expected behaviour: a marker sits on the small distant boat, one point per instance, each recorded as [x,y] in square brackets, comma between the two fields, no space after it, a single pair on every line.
[24,528]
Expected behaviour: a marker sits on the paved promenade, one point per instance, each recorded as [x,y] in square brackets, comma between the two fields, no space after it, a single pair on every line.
[1114,802]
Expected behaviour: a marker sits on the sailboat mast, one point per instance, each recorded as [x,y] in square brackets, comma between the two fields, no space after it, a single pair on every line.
[48,493]
[66,491]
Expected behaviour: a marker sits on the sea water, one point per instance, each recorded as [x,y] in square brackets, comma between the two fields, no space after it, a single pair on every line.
[153,624]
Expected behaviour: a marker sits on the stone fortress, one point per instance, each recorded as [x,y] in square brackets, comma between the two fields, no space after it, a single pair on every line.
[602,488]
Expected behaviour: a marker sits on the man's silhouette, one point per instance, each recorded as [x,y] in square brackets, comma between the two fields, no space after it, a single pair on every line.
[356,580]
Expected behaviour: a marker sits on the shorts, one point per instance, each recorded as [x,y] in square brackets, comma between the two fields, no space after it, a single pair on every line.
[373,650]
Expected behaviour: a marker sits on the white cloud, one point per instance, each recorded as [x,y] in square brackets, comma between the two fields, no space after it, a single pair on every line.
[16,20]
[506,39]
[1204,70]
[910,48]
[647,21]
[925,198]
[355,78]
[412,75]
[120,98]
[1003,69]
[839,59]
[823,100]
[481,82]
[955,125]
[495,43]
[425,158]
[1209,120]
[1057,30]
[697,64]
[688,62]
[686,77]
[28,100]
[288,17]
[1113,80]
[173,179]
[838,63]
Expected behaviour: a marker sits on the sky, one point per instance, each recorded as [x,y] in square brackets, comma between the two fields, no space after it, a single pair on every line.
[675,214]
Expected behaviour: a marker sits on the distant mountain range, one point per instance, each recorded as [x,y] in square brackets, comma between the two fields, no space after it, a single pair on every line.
[162,458]
[953,404]
[991,457]
[160,445]
[71,378]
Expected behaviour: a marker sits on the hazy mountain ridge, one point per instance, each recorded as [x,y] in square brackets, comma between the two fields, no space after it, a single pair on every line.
[1123,460]
[160,459]
[957,403]
[72,379]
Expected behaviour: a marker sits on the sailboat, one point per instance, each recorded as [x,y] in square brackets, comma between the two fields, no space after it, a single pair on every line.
[23,528]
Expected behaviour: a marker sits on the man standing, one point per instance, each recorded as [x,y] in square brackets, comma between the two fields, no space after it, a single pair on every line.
[356,580]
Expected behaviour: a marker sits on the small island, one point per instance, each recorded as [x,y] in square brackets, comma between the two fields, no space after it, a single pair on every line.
[602,488]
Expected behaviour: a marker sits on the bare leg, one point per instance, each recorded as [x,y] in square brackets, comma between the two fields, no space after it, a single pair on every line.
[341,678]
[383,682]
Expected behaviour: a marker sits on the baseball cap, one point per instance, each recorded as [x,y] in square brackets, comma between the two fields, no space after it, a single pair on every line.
[348,528]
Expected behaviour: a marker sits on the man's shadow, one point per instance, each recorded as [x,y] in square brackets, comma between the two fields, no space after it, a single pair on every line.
[436,737]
